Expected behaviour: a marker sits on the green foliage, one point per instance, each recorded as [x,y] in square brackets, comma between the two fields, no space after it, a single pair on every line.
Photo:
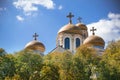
[2,52]
[82,60]
[28,64]
[59,65]
[85,64]
[7,66]
[110,63]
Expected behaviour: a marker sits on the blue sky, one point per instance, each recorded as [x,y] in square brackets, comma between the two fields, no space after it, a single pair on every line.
[20,19]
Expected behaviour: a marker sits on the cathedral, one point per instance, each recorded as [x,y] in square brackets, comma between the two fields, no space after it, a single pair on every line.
[70,37]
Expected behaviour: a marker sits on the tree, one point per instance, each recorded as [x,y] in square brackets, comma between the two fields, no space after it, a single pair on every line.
[28,65]
[83,65]
[2,52]
[7,66]
[50,70]
[110,63]
[57,66]
[83,58]
[65,65]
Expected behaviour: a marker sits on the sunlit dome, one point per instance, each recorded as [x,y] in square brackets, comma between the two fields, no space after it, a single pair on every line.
[81,26]
[70,28]
[35,45]
[94,41]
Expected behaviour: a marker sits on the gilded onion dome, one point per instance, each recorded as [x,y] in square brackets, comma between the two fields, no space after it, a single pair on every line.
[35,45]
[94,41]
[81,26]
[70,28]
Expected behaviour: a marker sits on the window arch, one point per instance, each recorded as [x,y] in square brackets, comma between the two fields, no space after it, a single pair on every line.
[67,43]
[77,42]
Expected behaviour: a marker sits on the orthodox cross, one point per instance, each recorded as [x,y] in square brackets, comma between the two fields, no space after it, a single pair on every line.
[79,19]
[70,17]
[35,36]
[93,30]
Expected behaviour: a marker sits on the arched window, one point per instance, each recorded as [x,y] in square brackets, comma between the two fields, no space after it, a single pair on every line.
[77,42]
[67,43]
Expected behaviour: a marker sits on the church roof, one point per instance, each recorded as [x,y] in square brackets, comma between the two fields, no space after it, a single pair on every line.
[58,49]
[81,26]
[35,45]
[70,28]
[94,41]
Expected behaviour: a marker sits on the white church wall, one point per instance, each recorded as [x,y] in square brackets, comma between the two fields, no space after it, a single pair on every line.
[77,36]
[61,40]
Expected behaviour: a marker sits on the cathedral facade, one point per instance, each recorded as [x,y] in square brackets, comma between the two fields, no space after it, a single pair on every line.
[70,37]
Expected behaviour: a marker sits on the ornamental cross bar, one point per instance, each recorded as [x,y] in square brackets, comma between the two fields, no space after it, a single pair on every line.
[35,36]
[70,17]
[93,30]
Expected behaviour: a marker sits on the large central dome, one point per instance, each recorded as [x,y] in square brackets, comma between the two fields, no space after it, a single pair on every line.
[70,28]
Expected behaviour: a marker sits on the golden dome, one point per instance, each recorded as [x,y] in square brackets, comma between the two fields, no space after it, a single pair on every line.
[70,28]
[94,41]
[81,26]
[35,45]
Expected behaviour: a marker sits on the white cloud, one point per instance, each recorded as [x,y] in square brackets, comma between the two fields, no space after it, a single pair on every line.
[60,7]
[19,18]
[113,16]
[108,29]
[29,6]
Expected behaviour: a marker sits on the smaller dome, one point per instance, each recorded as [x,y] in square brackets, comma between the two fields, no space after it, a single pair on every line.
[81,26]
[35,45]
[70,28]
[94,41]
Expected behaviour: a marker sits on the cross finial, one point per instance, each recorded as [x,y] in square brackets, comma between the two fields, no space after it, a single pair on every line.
[93,30]
[79,19]
[70,17]
[35,36]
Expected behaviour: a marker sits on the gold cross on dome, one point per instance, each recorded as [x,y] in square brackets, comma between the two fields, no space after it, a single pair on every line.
[93,30]
[35,36]
[70,17]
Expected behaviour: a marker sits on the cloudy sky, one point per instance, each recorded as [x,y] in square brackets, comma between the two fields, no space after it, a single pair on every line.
[20,19]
